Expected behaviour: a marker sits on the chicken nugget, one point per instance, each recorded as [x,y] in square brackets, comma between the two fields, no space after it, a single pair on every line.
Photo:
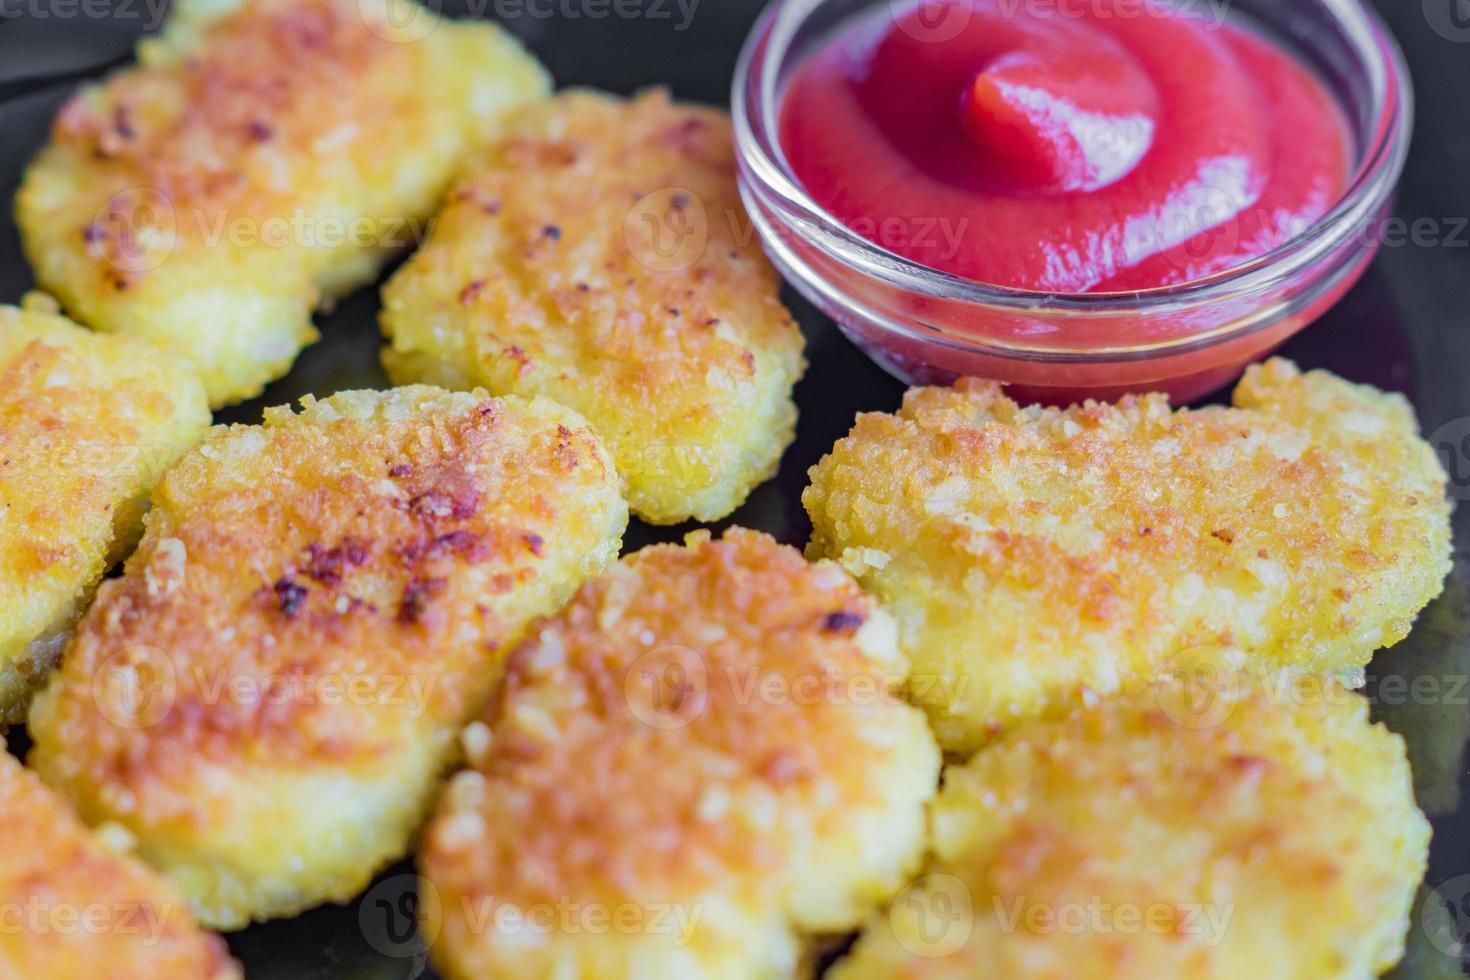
[600,256]
[269,695]
[1035,556]
[71,907]
[1165,834]
[699,765]
[88,423]
[264,157]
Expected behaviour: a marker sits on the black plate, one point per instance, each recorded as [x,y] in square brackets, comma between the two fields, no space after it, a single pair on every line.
[1402,328]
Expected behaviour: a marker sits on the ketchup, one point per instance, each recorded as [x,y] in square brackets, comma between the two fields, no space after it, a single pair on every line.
[1065,145]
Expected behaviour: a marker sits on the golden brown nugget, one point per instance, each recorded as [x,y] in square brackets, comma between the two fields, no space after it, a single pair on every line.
[70,907]
[600,256]
[1034,557]
[269,696]
[264,157]
[1152,836]
[87,425]
[696,767]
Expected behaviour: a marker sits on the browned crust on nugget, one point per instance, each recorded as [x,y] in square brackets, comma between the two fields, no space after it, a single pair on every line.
[261,157]
[702,725]
[1202,828]
[87,424]
[326,597]
[1035,555]
[73,908]
[203,130]
[601,256]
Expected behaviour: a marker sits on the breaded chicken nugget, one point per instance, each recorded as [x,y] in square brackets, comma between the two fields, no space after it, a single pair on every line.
[71,908]
[264,157]
[1032,556]
[1147,838]
[694,768]
[600,256]
[269,695]
[87,425]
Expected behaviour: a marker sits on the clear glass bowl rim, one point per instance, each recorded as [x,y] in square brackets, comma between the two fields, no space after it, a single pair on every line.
[755,110]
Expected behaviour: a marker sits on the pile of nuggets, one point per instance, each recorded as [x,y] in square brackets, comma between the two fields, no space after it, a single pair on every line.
[1122,638]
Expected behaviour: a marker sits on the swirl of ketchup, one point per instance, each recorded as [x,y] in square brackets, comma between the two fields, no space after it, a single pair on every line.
[1065,145]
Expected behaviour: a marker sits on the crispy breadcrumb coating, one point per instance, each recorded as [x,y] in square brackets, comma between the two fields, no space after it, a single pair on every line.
[1159,835]
[1036,556]
[88,423]
[600,256]
[706,748]
[269,696]
[71,907]
[264,157]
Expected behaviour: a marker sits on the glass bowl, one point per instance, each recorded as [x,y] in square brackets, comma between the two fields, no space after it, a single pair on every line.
[928,327]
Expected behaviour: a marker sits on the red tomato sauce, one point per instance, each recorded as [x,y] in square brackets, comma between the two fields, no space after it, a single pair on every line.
[1065,145]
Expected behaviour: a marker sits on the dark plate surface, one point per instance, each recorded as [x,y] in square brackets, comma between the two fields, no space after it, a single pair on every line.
[1402,328]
